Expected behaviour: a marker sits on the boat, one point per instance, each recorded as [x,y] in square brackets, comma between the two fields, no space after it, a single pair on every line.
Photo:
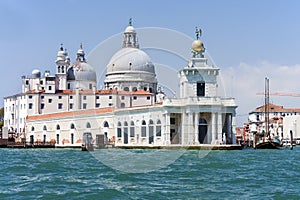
[264,139]
[269,144]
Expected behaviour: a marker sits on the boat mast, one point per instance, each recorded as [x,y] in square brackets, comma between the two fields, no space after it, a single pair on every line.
[267,96]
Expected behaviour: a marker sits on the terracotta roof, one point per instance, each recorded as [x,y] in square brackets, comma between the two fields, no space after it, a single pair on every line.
[70,114]
[35,91]
[275,108]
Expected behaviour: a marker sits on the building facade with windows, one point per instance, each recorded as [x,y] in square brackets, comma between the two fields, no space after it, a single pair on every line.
[131,110]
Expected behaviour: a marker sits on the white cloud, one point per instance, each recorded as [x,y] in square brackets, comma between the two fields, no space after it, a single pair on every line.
[245,80]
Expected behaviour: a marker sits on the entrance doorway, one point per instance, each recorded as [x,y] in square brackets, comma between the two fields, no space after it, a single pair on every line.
[202,130]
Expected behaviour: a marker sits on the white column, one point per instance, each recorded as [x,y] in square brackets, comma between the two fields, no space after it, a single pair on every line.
[233,129]
[167,129]
[183,128]
[213,128]
[219,128]
[196,127]
[190,128]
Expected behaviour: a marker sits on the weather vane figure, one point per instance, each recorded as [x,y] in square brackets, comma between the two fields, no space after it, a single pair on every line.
[198,33]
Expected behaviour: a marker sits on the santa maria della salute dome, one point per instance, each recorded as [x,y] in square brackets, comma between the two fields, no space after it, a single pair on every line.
[68,110]
[130,68]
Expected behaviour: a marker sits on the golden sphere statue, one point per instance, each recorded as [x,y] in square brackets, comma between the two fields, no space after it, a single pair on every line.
[197,45]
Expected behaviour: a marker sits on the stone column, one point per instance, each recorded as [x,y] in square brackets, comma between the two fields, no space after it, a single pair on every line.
[167,129]
[190,128]
[219,128]
[184,124]
[196,128]
[213,127]
[233,129]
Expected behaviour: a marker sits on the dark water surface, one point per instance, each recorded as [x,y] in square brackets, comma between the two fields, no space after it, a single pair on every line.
[73,174]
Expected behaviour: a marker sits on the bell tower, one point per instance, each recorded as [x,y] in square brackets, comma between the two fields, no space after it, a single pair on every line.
[198,78]
[62,64]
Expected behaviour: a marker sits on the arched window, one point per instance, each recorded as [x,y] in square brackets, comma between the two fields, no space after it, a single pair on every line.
[106,125]
[131,129]
[45,128]
[119,130]
[126,89]
[151,131]
[134,89]
[143,129]
[88,125]
[122,105]
[32,128]
[72,126]
[158,128]
[57,127]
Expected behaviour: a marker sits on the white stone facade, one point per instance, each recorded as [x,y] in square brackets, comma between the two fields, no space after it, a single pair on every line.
[131,111]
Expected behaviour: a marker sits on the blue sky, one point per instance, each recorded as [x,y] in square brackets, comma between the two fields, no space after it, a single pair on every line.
[248,40]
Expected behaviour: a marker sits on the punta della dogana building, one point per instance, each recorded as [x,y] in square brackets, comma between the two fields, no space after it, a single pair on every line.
[131,110]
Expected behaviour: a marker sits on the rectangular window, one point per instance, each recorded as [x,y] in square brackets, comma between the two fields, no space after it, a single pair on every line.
[71,97]
[59,97]
[158,131]
[110,97]
[148,97]
[30,106]
[110,104]
[69,86]
[97,105]
[49,100]
[84,106]
[42,106]
[119,132]
[122,97]
[97,97]
[42,97]
[60,105]
[71,106]
[84,97]
[172,120]
[200,89]
[143,131]
[90,86]
[41,82]
[131,131]
[27,82]
[30,96]
[49,87]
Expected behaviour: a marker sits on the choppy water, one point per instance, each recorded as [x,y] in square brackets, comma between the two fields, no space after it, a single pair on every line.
[73,174]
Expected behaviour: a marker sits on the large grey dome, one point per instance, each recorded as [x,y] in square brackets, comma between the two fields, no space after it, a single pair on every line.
[81,71]
[130,59]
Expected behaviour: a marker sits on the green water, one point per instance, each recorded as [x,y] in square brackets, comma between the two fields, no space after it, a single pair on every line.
[73,174]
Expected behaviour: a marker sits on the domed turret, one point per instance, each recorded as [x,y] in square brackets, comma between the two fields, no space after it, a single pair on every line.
[80,74]
[36,73]
[130,68]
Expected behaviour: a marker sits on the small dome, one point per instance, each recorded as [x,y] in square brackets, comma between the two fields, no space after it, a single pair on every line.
[197,45]
[36,73]
[129,29]
[80,52]
[130,59]
[81,71]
